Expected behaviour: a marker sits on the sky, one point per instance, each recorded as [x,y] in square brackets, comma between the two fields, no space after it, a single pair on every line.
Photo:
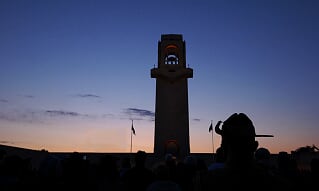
[75,73]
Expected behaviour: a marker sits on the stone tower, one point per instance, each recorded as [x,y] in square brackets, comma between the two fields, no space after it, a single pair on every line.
[171,107]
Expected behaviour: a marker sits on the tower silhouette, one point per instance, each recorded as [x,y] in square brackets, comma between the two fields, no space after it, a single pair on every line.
[171,107]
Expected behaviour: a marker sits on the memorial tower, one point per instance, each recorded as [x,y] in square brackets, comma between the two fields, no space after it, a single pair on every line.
[171,101]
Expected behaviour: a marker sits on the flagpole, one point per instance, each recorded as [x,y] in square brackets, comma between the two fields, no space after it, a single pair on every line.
[131,136]
[213,137]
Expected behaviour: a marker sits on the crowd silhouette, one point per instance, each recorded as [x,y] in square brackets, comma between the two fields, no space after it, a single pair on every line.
[238,164]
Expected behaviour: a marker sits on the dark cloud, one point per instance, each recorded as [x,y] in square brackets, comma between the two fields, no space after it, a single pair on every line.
[4,101]
[107,115]
[19,116]
[29,116]
[5,117]
[139,113]
[27,96]
[87,96]
[63,113]
[196,119]
[9,117]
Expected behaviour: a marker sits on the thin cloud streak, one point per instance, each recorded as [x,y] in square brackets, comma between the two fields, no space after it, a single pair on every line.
[28,96]
[139,114]
[107,116]
[87,96]
[38,116]
[4,101]
[18,116]
[6,142]
[63,113]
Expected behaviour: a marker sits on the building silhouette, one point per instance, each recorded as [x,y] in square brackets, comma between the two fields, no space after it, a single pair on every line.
[171,105]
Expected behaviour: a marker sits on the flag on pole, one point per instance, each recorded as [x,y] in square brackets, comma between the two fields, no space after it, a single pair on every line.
[133,130]
[210,127]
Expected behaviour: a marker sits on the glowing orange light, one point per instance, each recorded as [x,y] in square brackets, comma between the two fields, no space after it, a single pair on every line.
[171,46]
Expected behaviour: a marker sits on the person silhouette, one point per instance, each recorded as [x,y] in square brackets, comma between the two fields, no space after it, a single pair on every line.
[240,169]
[219,160]
[139,177]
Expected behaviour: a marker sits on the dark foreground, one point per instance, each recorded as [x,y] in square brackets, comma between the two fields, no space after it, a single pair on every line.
[23,169]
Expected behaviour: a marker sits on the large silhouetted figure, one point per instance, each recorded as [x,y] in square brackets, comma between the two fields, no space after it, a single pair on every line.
[240,171]
[171,107]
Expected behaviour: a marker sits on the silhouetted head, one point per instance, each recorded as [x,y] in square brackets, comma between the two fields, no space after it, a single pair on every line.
[140,158]
[238,136]
[237,125]
[262,154]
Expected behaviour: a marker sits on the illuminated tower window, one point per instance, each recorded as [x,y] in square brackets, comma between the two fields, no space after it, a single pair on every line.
[171,54]
[171,59]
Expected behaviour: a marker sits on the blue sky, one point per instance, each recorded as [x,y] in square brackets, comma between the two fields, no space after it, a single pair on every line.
[74,73]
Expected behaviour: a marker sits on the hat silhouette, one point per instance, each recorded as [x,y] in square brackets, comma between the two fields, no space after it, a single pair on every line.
[237,125]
